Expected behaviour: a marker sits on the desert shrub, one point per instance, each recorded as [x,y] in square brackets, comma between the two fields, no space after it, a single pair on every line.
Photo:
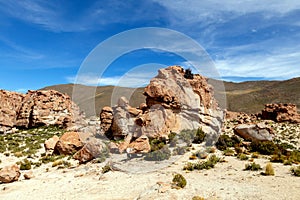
[106,168]
[201,154]
[242,156]
[296,171]
[159,155]
[228,152]
[199,136]
[224,141]
[255,155]
[187,135]
[50,158]
[25,165]
[264,147]
[196,136]
[156,144]
[179,151]
[211,150]
[197,198]
[252,166]
[61,164]
[278,157]
[287,162]
[269,170]
[295,156]
[210,163]
[173,140]
[179,181]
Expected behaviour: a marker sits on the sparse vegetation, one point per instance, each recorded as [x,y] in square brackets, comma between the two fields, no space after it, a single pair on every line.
[106,168]
[179,181]
[196,136]
[296,171]
[179,150]
[61,164]
[226,141]
[242,156]
[228,152]
[269,170]
[252,166]
[159,155]
[25,164]
[210,163]
[197,198]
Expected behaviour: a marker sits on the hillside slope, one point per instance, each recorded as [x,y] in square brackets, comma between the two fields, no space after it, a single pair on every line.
[249,97]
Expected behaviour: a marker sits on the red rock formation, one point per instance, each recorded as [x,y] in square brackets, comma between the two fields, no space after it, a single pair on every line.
[173,103]
[37,108]
[281,113]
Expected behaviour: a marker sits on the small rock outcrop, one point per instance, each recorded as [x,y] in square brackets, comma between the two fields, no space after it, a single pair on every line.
[281,113]
[69,143]
[174,102]
[50,144]
[10,174]
[37,108]
[92,149]
[258,132]
[140,145]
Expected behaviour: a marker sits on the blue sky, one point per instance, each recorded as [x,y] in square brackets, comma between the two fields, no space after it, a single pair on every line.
[45,42]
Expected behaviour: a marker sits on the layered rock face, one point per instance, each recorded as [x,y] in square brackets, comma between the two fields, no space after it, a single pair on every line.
[37,108]
[281,113]
[10,103]
[173,103]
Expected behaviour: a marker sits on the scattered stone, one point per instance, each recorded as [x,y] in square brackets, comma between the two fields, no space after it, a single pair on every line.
[69,143]
[258,131]
[28,175]
[10,174]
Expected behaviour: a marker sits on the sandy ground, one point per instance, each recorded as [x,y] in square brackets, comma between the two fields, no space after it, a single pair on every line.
[227,180]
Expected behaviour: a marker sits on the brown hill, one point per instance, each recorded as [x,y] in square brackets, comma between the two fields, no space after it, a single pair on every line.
[249,97]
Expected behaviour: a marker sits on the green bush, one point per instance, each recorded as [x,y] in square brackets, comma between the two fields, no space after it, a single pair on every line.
[197,198]
[199,136]
[242,156]
[269,170]
[179,151]
[179,181]
[25,165]
[210,163]
[156,144]
[159,155]
[252,167]
[106,168]
[296,171]
[228,152]
[264,147]
[224,142]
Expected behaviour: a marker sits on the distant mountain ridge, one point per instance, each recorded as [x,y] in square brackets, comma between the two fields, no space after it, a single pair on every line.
[249,97]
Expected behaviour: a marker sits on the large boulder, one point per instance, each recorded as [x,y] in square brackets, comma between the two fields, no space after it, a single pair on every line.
[10,174]
[37,108]
[281,113]
[10,103]
[174,102]
[254,132]
[50,144]
[69,143]
[92,149]
[140,145]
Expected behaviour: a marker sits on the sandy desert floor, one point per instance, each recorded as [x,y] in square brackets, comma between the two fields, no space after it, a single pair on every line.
[227,180]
